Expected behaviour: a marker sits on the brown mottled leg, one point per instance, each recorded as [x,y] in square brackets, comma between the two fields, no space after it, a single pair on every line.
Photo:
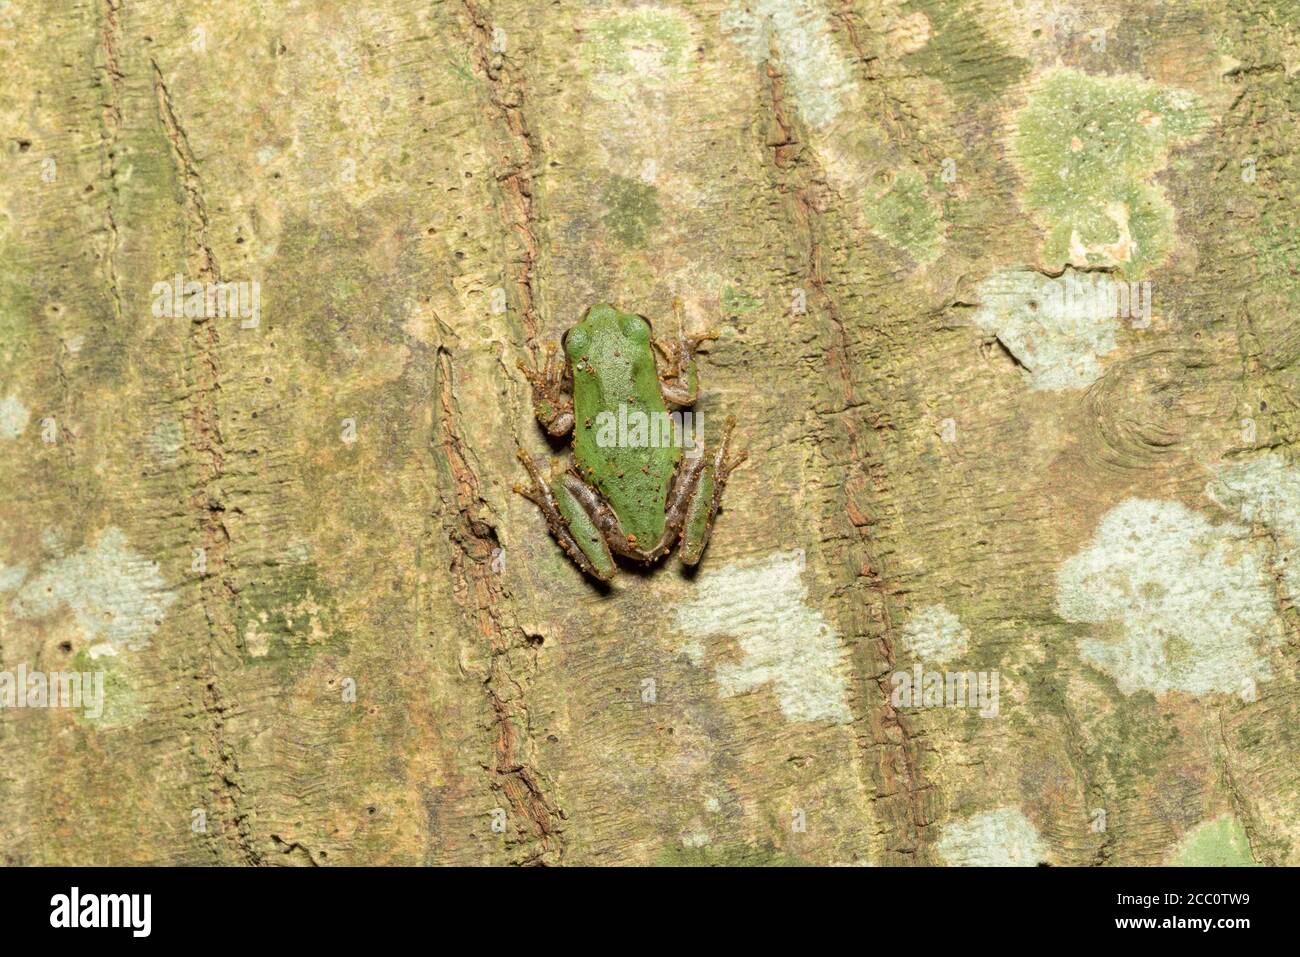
[565,518]
[705,497]
[612,530]
[588,530]
[681,385]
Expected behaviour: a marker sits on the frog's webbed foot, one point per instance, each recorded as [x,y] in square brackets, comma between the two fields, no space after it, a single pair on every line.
[681,385]
[575,530]
[552,394]
[704,495]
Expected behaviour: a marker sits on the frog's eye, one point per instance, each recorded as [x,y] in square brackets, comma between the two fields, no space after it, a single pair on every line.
[576,341]
[636,327]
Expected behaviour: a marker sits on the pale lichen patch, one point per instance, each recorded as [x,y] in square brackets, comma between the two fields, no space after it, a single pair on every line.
[934,634]
[1179,604]
[256,641]
[784,641]
[114,593]
[818,75]
[1000,838]
[11,576]
[1265,490]
[647,45]
[13,417]
[166,440]
[1058,328]
[909,33]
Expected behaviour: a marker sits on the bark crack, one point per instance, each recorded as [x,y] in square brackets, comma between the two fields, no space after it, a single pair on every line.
[218,595]
[519,160]
[112,126]
[799,178]
[512,656]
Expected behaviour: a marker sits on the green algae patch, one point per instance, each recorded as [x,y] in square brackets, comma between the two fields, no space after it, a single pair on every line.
[633,210]
[905,216]
[736,301]
[643,41]
[724,855]
[1088,148]
[110,676]
[1274,246]
[1218,843]
[973,66]
[17,305]
[287,613]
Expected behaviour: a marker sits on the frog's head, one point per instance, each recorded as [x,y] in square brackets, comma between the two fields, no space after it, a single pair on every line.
[605,323]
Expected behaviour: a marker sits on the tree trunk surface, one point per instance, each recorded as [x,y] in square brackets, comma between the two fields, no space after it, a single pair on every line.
[1006,296]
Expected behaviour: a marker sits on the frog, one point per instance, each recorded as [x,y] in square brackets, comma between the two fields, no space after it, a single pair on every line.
[632,499]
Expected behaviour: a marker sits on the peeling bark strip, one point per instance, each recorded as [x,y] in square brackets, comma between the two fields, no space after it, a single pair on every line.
[518,162]
[512,659]
[218,594]
[798,177]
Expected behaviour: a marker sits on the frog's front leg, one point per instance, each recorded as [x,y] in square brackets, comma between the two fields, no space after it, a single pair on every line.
[695,505]
[552,392]
[681,385]
[578,532]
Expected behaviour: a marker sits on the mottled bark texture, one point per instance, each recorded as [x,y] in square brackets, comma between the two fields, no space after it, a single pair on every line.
[329,632]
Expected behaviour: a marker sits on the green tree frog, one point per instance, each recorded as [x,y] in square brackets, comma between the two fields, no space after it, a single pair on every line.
[634,491]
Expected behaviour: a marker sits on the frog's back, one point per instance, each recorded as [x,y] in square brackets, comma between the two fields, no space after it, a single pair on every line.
[620,443]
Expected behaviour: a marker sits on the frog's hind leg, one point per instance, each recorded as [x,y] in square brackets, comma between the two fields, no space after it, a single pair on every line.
[610,528]
[701,504]
[575,530]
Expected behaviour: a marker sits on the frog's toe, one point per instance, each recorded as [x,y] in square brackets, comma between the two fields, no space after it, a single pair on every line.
[698,339]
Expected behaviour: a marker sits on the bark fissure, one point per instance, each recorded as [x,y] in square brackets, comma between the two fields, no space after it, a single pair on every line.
[218,594]
[112,127]
[799,179]
[512,657]
[516,170]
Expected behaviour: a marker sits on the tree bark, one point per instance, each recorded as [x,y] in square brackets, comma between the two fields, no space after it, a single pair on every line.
[328,630]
